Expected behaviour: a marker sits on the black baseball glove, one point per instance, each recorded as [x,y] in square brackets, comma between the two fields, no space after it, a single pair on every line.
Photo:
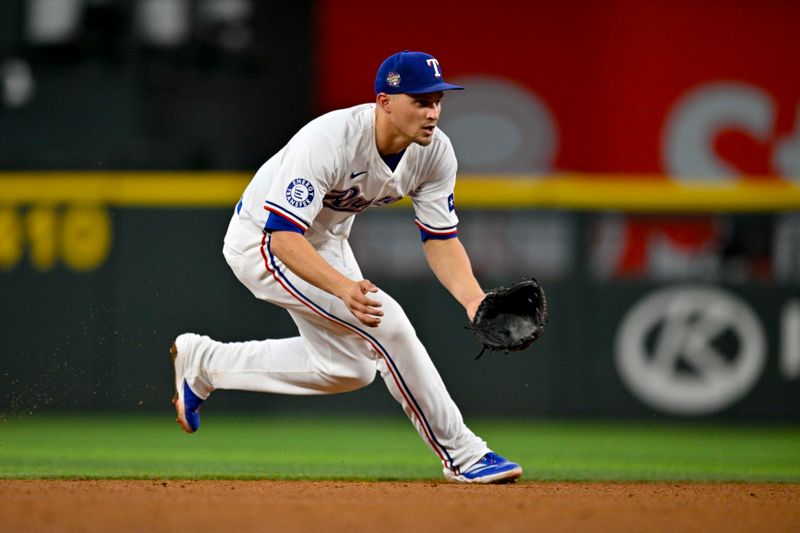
[511,319]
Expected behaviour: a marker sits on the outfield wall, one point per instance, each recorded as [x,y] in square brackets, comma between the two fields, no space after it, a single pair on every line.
[696,103]
[654,312]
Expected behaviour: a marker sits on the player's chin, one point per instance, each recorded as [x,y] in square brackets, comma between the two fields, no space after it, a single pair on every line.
[424,139]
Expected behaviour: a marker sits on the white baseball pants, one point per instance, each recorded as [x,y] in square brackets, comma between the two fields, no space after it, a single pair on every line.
[334,352]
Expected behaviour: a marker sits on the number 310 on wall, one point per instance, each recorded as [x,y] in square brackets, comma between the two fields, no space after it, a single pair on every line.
[77,236]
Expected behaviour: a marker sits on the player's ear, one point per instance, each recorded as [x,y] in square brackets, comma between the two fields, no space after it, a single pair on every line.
[384,102]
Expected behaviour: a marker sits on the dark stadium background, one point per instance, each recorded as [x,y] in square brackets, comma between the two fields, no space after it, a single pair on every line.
[702,94]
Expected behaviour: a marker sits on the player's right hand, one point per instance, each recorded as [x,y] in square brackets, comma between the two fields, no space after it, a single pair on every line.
[363,307]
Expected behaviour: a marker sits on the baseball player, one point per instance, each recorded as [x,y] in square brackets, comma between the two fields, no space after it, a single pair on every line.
[287,243]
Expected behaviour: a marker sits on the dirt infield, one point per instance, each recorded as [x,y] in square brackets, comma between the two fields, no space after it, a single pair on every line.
[392,506]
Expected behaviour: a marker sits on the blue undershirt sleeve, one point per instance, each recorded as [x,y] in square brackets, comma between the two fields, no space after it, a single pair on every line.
[278,223]
[425,235]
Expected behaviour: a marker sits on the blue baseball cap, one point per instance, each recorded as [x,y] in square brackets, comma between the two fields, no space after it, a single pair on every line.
[411,73]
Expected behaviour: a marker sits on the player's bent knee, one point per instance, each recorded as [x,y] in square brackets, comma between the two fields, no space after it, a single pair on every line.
[356,377]
[393,333]
[395,326]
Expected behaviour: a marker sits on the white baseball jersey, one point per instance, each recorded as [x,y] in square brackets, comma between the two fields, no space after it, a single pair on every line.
[331,170]
[327,173]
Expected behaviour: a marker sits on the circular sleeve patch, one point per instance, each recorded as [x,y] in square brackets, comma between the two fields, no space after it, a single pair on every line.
[300,192]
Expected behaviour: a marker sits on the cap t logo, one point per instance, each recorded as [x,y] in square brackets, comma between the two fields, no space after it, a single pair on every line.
[411,73]
[393,79]
[432,62]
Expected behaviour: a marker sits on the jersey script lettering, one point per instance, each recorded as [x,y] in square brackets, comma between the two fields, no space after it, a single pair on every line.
[352,200]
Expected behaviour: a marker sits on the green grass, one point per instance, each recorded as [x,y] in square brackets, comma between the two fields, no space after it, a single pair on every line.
[91,446]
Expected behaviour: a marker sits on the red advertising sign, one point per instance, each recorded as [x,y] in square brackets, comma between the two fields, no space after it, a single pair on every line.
[690,89]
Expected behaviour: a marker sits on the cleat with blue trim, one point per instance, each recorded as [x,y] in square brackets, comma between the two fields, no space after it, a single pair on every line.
[187,403]
[490,469]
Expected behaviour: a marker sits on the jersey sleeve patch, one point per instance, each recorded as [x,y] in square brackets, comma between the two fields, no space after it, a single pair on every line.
[300,193]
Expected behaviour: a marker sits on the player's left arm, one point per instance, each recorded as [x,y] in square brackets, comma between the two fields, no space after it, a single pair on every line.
[451,265]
